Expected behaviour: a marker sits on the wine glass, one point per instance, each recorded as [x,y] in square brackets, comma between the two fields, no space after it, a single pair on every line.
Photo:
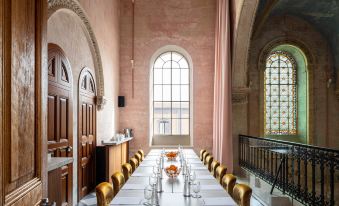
[147,195]
[157,161]
[193,177]
[196,190]
[155,170]
[152,180]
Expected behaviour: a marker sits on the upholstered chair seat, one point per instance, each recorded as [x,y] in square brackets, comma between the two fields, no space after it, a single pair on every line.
[242,194]
[204,157]
[214,166]
[209,160]
[127,170]
[140,151]
[104,193]
[138,156]
[118,180]
[202,154]
[134,163]
[220,172]
[228,183]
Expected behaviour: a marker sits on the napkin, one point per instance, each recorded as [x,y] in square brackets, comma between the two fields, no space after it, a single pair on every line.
[226,201]
[126,200]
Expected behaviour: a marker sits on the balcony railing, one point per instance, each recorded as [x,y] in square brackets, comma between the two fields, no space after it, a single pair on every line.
[308,174]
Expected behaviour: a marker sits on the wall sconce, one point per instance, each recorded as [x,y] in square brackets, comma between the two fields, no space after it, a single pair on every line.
[329,82]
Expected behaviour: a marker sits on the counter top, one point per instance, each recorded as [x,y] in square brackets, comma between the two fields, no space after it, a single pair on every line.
[57,162]
[113,143]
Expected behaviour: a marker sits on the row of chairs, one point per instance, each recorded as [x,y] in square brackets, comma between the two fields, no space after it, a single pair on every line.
[105,191]
[241,193]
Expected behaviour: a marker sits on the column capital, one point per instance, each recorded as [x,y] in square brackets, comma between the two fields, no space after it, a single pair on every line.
[239,95]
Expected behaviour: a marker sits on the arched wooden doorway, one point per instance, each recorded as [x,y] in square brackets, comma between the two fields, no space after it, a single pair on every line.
[87,132]
[60,121]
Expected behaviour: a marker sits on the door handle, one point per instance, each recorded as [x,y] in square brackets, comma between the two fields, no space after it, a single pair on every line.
[69,149]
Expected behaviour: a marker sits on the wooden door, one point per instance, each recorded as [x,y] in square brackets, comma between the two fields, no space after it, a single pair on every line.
[23,91]
[60,117]
[87,132]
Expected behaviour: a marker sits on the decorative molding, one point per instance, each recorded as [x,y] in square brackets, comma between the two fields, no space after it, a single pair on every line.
[240,95]
[101,102]
[74,6]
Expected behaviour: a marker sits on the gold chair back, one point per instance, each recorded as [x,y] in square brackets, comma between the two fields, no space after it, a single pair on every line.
[118,181]
[104,193]
[140,151]
[127,170]
[220,172]
[202,154]
[228,183]
[214,166]
[134,163]
[242,194]
[204,157]
[138,156]
[209,160]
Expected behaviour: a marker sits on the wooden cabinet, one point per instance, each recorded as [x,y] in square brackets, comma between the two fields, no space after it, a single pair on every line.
[109,160]
[23,92]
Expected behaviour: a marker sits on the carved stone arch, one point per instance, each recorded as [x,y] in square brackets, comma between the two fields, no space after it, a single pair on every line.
[75,7]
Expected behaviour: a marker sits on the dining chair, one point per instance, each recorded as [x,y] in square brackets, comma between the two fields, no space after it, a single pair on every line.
[204,157]
[242,194]
[118,181]
[228,183]
[104,193]
[138,156]
[220,172]
[134,163]
[209,160]
[202,154]
[127,170]
[214,166]
[140,151]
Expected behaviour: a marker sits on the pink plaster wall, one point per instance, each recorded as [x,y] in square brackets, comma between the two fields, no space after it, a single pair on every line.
[189,24]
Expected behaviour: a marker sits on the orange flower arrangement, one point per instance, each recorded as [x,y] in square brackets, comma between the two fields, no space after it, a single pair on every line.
[171,155]
[172,171]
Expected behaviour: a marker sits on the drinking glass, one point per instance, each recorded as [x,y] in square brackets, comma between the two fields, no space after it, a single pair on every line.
[193,176]
[157,161]
[152,180]
[147,195]
[196,190]
[155,170]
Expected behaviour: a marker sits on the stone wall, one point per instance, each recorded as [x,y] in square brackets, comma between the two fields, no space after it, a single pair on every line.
[187,24]
[323,106]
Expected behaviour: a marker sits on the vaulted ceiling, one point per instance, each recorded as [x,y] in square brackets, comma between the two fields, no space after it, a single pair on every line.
[322,14]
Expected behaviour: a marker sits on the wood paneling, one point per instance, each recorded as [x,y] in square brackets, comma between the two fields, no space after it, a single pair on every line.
[60,119]
[23,92]
[87,133]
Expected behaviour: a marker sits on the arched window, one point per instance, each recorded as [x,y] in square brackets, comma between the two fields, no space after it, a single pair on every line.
[171,95]
[280,94]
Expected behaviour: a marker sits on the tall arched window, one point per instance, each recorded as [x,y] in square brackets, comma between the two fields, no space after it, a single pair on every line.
[280,94]
[171,95]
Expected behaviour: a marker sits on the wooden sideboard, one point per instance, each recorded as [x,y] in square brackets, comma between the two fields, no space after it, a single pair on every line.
[109,157]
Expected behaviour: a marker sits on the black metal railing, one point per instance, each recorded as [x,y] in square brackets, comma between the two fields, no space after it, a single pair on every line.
[309,174]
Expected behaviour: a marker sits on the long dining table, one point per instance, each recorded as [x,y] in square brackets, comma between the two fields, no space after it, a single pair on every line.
[212,193]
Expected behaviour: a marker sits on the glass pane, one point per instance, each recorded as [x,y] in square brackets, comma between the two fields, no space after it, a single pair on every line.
[166,76]
[166,110]
[166,56]
[176,56]
[167,65]
[168,125]
[185,110]
[159,63]
[184,76]
[176,127]
[175,76]
[183,63]
[175,109]
[156,126]
[157,93]
[175,65]
[157,76]
[157,110]
[176,93]
[166,93]
[185,127]
[184,93]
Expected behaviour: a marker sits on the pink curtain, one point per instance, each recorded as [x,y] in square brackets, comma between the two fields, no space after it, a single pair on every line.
[222,125]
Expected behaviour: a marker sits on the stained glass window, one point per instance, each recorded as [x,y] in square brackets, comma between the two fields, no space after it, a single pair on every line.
[280,94]
[171,95]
